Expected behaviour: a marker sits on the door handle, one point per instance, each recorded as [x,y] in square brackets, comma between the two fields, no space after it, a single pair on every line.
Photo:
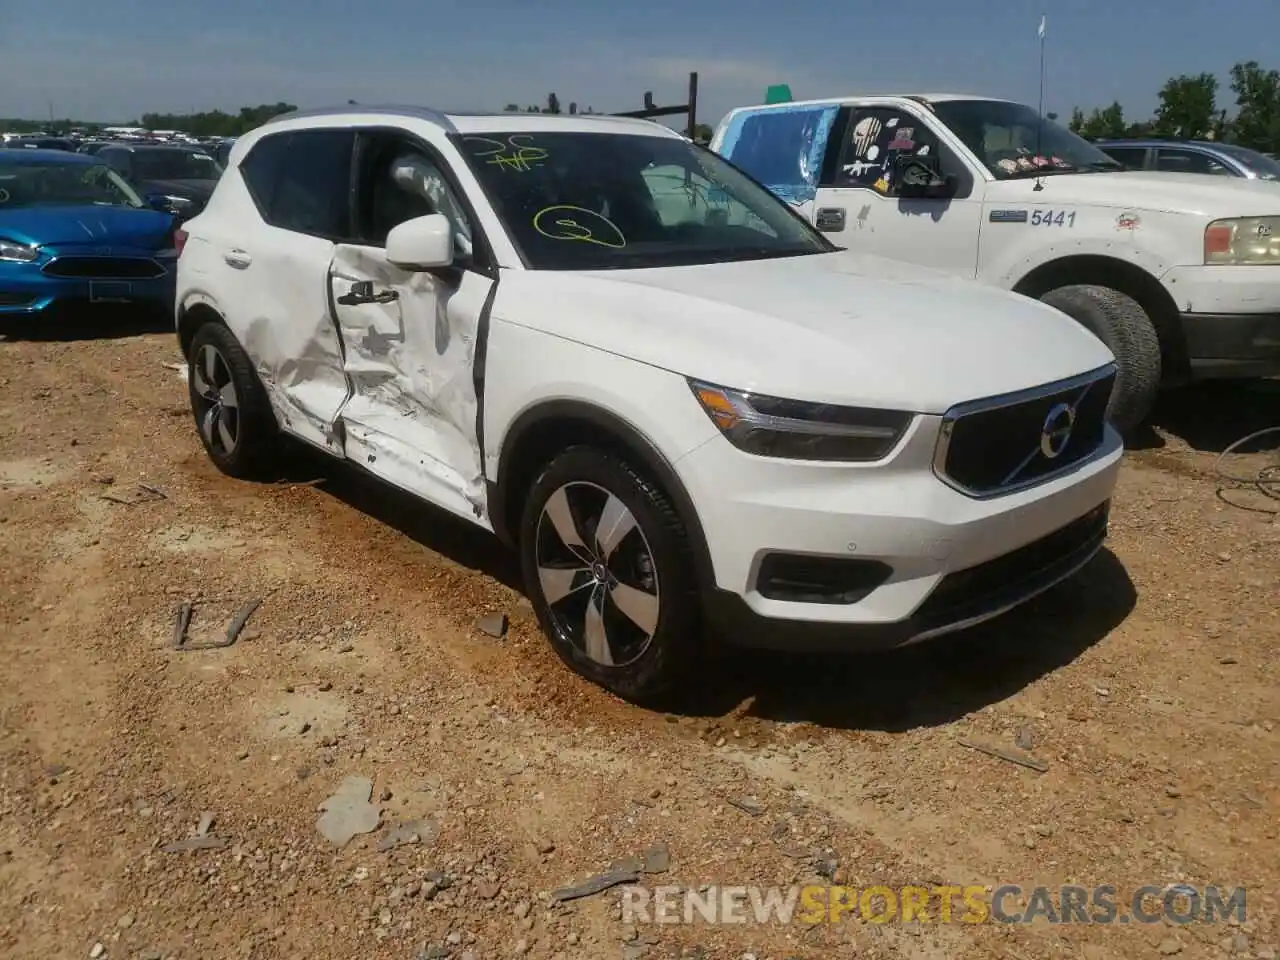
[237,258]
[362,292]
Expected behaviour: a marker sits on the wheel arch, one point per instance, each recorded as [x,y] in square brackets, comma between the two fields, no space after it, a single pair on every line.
[1127,278]
[191,316]
[540,432]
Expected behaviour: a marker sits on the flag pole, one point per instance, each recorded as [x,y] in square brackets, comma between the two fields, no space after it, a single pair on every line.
[1040,126]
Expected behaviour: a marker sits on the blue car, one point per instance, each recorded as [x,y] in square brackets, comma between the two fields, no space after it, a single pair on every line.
[73,231]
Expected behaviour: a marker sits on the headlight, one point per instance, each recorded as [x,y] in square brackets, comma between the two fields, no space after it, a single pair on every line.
[9,250]
[1244,240]
[795,430]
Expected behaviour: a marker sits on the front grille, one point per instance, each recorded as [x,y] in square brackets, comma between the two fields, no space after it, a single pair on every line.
[1016,575]
[105,268]
[1006,443]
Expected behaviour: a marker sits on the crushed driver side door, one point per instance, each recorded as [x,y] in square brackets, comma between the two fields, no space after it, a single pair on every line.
[410,354]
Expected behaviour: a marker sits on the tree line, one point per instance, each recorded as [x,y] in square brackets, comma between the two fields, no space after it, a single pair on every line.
[1189,109]
[208,123]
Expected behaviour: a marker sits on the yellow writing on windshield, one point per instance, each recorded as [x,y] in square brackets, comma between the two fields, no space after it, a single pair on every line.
[515,153]
[565,222]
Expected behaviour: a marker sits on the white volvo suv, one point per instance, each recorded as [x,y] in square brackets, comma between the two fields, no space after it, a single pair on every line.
[620,354]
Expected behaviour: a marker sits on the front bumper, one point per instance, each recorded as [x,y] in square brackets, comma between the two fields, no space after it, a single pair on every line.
[1221,345]
[955,560]
[27,291]
[1230,319]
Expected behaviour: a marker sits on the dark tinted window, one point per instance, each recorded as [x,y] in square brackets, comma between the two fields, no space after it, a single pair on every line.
[261,168]
[174,165]
[117,158]
[1134,158]
[1190,161]
[875,138]
[310,192]
[1012,140]
[598,201]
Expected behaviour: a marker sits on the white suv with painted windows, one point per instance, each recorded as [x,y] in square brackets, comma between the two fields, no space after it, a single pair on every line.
[607,346]
[1178,273]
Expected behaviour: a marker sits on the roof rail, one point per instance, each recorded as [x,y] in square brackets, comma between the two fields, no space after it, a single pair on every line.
[421,113]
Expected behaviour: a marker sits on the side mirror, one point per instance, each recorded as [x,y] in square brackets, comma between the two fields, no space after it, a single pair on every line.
[920,178]
[421,244]
[167,204]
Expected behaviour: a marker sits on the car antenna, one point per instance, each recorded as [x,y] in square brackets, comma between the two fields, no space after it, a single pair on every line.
[1040,125]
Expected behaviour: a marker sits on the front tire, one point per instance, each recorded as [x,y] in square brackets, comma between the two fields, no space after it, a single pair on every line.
[608,569]
[232,413]
[1119,321]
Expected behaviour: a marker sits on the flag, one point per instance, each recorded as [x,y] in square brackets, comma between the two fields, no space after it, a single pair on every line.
[1040,31]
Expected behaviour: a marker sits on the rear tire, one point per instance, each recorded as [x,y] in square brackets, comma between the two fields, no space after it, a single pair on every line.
[608,568]
[1119,321]
[232,413]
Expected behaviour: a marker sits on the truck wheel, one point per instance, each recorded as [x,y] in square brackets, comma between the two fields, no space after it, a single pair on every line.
[608,569]
[1120,322]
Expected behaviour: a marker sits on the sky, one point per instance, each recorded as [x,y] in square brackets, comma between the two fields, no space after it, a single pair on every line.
[112,61]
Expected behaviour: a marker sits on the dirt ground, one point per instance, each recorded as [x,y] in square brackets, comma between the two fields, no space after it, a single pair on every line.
[1146,688]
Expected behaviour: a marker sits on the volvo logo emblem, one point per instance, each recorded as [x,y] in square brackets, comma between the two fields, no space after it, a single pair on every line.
[1055,434]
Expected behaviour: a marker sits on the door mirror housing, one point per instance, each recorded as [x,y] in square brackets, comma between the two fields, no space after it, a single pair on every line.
[921,178]
[421,244]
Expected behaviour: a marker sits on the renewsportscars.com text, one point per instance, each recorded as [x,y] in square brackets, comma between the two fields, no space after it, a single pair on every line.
[1007,903]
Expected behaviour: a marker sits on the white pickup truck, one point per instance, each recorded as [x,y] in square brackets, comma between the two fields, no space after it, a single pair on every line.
[1179,274]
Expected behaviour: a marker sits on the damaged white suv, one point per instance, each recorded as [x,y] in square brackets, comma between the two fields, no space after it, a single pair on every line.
[617,352]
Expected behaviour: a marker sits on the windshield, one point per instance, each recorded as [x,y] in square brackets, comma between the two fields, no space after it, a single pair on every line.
[1265,167]
[1012,140]
[63,184]
[598,201]
[174,165]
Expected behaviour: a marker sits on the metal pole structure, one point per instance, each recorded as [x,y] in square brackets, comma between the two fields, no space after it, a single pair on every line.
[693,105]
[651,112]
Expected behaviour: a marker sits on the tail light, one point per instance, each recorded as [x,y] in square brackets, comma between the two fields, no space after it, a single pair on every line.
[179,240]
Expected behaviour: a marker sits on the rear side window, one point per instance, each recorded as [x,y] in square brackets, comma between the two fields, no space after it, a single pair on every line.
[1133,158]
[1190,161]
[302,181]
[261,168]
[117,159]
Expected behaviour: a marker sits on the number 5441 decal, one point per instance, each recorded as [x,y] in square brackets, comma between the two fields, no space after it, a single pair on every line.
[1053,218]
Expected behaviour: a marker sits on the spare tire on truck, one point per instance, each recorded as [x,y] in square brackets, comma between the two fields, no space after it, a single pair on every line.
[1119,321]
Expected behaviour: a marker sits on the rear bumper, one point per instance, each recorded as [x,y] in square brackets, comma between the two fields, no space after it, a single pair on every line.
[1232,344]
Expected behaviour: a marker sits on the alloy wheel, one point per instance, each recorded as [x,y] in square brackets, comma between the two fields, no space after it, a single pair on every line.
[597,573]
[217,406]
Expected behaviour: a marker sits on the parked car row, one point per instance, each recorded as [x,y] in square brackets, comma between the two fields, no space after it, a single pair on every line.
[182,170]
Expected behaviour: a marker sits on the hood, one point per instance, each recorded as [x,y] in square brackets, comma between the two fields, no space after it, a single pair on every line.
[188,189]
[94,225]
[1198,194]
[836,328]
